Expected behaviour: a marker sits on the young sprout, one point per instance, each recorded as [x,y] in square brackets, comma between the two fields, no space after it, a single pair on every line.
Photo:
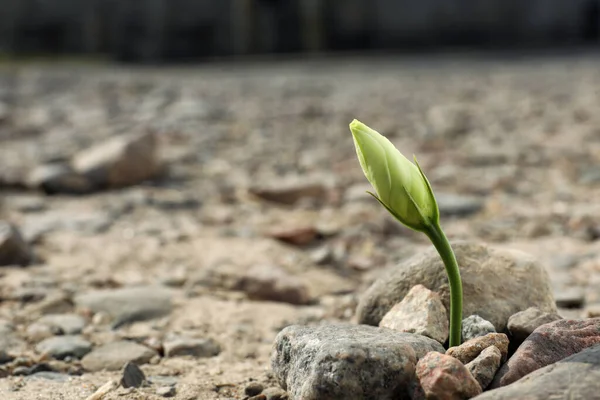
[403,189]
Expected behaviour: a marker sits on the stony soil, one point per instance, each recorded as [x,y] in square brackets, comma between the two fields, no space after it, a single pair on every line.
[511,146]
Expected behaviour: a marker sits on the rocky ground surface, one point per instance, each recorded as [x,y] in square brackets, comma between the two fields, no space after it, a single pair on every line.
[179,219]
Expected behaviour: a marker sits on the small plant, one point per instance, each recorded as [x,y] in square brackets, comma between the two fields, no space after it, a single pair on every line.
[403,189]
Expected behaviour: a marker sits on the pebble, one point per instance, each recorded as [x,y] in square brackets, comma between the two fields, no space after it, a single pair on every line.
[522,324]
[547,345]
[289,190]
[272,283]
[133,376]
[69,324]
[57,178]
[275,393]
[497,283]
[570,298]
[50,375]
[485,365]
[113,356]
[198,348]
[295,235]
[61,347]
[347,361]
[445,378]
[119,161]
[469,350]
[166,391]
[253,388]
[474,326]
[574,377]
[456,205]
[421,312]
[128,305]
[13,248]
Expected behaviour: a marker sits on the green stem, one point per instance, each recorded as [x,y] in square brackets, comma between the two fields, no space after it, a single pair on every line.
[440,241]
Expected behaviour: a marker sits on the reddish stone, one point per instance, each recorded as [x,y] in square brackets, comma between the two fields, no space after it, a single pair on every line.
[547,345]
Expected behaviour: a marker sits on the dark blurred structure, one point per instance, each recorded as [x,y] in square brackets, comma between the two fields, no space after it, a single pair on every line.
[155,30]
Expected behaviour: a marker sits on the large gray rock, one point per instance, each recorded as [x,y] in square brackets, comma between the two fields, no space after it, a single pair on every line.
[548,344]
[496,283]
[351,362]
[128,304]
[574,377]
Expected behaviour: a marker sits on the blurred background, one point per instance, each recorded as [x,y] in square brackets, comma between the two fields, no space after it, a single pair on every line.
[167,30]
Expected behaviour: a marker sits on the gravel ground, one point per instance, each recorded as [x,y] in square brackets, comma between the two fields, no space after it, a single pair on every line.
[259,218]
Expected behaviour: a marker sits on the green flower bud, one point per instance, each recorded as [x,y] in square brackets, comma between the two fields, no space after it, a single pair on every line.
[401,186]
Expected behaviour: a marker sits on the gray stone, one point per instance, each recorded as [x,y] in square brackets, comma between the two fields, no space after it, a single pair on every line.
[570,298]
[13,249]
[113,356]
[456,205]
[128,305]
[343,361]
[289,190]
[58,178]
[61,347]
[120,161]
[49,375]
[549,344]
[166,391]
[10,343]
[445,378]
[133,376]
[69,324]
[198,348]
[474,326]
[522,324]
[496,283]
[574,377]
[421,312]
[485,365]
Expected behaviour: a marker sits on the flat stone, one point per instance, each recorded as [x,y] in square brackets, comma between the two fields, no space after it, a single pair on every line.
[290,190]
[166,391]
[577,376]
[13,248]
[485,365]
[344,361]
[547,345]
[57,178]
[445,378]
[497,283]
[120,161]
[113,356]
[61,347]
[469,350]
[570,298]
[69,324]
[474,326]
[456,205]
[272,283]
[198,348]
[128,305]
[297,235]
[522,324]
[421,312]
[50,376]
